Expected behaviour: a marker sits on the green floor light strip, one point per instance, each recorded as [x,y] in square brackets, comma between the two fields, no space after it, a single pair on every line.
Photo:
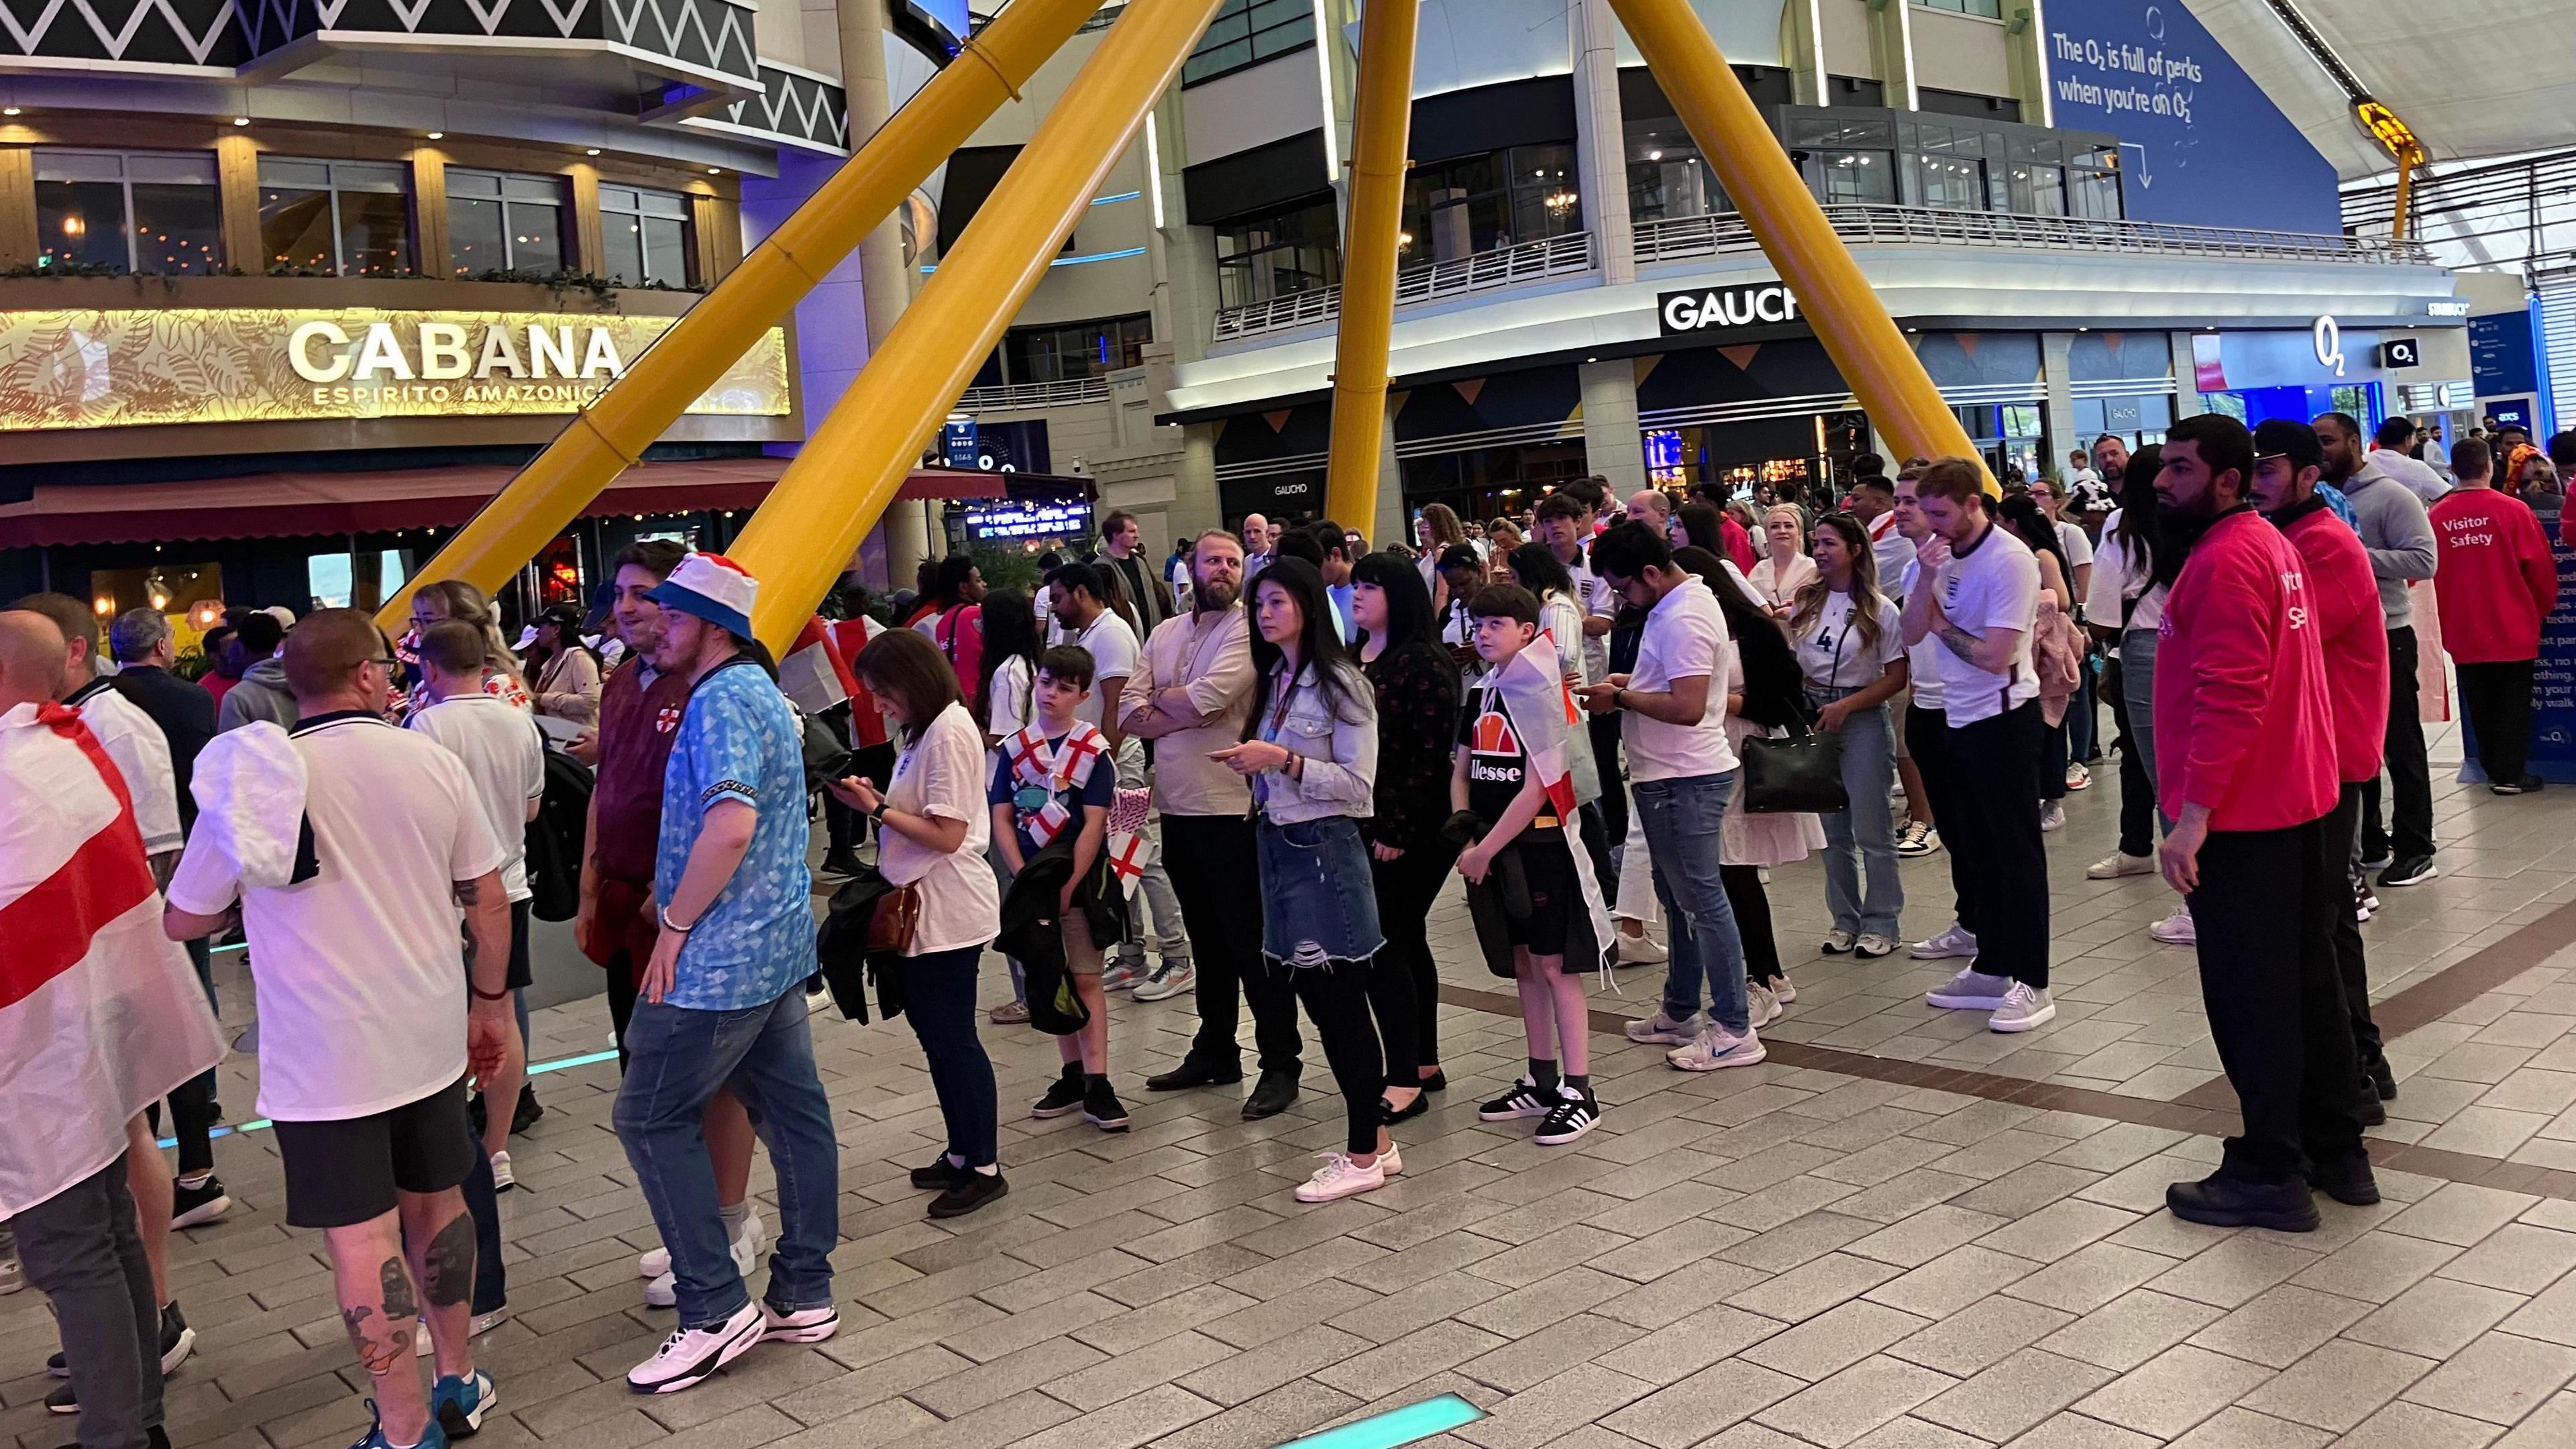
[261,1124]
[1396,1426]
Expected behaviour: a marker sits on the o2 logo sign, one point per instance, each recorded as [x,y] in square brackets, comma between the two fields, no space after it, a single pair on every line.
[1688,314]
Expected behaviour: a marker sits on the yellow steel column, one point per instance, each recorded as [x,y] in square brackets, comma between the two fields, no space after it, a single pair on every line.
[1858,334]
[852,465]
[612,434]
[1381,122]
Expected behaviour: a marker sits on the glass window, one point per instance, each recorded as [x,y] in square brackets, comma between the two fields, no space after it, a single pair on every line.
[1278,256]
[1951,183]
[1991,9]
[2029,187]
[1247,32]
[1075,350]
[1854,178]
[2093,185]
[1484,203]
[1666,176]
[127,212]
[343,218]
[645,235]
[499,222]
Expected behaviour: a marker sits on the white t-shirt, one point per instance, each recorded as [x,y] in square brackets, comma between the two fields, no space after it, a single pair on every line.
[2077,548]
[1113,656]
[1012,701]
[142,755]
[1830,651]
[2114,581]
[1599,601]
[2419,476]
[361,969]
[1994,587]
[1563,617]
[1892,551]
[942,774]
[1923,660]
[1685,636]
[499,748]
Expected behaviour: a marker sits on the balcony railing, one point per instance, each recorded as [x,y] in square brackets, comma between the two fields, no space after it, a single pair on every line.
[1505,267]
[1026,396]
[1707,236]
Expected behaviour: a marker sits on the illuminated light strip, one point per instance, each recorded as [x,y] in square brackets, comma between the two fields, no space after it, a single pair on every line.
[1396,1426]
[1332,117]
[1154,170]
[928,267]
[1121,196]
[262,1124]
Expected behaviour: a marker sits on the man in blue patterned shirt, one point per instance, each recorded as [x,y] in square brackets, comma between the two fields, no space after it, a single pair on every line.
[721,1004]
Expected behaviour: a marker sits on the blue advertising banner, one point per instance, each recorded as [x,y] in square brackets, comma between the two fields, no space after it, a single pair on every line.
[2553,681]
[2504,353]
[2199,140]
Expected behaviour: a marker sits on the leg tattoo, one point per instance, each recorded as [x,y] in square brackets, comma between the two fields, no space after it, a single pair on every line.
[400,1304]
[382,1346]
[447,1265]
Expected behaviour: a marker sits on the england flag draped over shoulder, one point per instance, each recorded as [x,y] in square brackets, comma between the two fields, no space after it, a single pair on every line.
[100,1013]
[1542,709]
[814,674]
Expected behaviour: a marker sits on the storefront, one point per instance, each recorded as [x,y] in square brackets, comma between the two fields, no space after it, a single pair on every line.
[2368,373]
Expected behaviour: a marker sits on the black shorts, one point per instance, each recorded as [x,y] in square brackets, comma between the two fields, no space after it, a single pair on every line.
[1555,895]
[350,1170]
[519,979]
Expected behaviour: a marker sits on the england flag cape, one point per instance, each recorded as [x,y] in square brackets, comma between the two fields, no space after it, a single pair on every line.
[1068,766]
[100,1014]
[1542,709]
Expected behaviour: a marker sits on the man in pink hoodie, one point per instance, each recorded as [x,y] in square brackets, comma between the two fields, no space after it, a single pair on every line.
[2497,582]
[2245,757]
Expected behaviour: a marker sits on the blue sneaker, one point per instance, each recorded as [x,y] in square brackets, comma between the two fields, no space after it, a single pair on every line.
[431,1435]
[459,1404]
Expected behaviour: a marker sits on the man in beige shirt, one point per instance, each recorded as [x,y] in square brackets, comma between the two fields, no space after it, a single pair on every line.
[1189,694]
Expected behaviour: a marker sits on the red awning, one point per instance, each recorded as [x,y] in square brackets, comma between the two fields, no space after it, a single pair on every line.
[278,505]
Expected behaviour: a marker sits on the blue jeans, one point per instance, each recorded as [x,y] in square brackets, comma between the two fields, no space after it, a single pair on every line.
[1862,840]
[676,1059]
[1682,819]
[939,1000]
[2138,687]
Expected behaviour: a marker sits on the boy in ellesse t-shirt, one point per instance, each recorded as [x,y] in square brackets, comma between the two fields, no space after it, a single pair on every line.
[2497,581]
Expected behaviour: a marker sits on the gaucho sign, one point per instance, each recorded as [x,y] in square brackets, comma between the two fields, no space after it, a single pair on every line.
[1754,304]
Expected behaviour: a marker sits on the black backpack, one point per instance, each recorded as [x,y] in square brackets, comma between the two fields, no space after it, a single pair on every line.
[557,837]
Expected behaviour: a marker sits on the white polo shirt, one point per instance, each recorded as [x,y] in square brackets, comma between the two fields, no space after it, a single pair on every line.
[361,969]
[1685,636]
[1113,656]
[1995,586]
[141,754]
[498,744]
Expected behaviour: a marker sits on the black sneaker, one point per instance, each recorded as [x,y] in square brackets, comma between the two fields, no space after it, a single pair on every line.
[2349,1183]
[1574,1114]
[525,1115]
[178,1340]
[2524,786]
[842,862]
[1101,1107]
[2409,870]
[2373,1112]
[2384,1079]
[1064,1098]
[203,1203]
[61,1401]
[1194,1074]
[1523,1100]
[2221,1201]
[967,1193]
[2377,858]
[940,1174]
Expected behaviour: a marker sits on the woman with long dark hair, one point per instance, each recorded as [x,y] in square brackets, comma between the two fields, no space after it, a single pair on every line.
[564,670]
[1851,653]
[1310,750]
[1006,696]
[2026,521]
[1416,684]
[2124,608]
[1698,525]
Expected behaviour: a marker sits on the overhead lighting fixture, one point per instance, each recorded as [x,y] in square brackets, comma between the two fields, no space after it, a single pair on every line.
[8,110]
[715,171]
[593,151]
[241,120]
[438,135]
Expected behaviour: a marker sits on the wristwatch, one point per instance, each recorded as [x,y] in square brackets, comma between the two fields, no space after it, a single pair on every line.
[879,813]
[663,915]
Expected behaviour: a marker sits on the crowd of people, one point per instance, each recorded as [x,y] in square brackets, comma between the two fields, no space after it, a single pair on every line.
[1556,721]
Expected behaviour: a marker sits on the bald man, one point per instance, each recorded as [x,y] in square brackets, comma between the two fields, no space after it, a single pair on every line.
[1652,507]
[1257,541]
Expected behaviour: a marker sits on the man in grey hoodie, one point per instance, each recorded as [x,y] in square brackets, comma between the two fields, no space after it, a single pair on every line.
[2399,539]
[262,692]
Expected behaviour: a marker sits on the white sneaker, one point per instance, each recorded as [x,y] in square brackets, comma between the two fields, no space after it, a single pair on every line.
[805,1325]
[2120,863]
[1837,942]
[1914,839]
[2078,777]
[1166,981]
[1340,1177]
[1871,946]
[1717,1047]
[1954,943]
[1761,1008]
[1391,1161]
[1122,975]
[2176,929]
[1641,951]
[2052,816]
[656,1262]
[1782,988]
[2023,1008]
[502,1178]
[479,1325]
[1970,990]
[690,1356]
[1662,1030]
[664,1292]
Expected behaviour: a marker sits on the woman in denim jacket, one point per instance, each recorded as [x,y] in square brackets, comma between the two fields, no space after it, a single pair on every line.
[1310,750]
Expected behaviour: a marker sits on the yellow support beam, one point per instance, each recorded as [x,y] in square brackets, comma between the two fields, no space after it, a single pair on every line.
[612,434]
[851,467]
[1381,124]
[1853,324]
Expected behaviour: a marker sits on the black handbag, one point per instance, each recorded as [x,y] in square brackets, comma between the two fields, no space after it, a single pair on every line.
[1801,774]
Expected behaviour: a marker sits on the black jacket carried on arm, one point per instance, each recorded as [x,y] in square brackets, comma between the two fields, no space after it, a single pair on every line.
[1033,935]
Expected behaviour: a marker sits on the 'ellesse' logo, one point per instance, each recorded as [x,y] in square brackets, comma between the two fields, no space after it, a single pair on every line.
[1494,736]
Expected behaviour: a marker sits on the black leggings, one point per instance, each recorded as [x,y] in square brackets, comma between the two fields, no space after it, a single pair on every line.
[1752,907]
[1407,887]
[1337,998]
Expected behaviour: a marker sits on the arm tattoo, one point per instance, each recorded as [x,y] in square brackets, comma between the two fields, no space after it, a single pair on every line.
[469,893]
[447,1276]
[1961,642]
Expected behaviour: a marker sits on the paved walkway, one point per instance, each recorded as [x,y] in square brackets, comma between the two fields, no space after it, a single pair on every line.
[1901,1231]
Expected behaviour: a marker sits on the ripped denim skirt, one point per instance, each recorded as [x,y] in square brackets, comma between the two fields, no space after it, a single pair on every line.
[1318,903]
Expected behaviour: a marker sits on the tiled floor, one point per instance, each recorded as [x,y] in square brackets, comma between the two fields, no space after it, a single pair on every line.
[1782,1255]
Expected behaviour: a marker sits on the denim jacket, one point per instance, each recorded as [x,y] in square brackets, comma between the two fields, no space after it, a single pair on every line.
[1340,750]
